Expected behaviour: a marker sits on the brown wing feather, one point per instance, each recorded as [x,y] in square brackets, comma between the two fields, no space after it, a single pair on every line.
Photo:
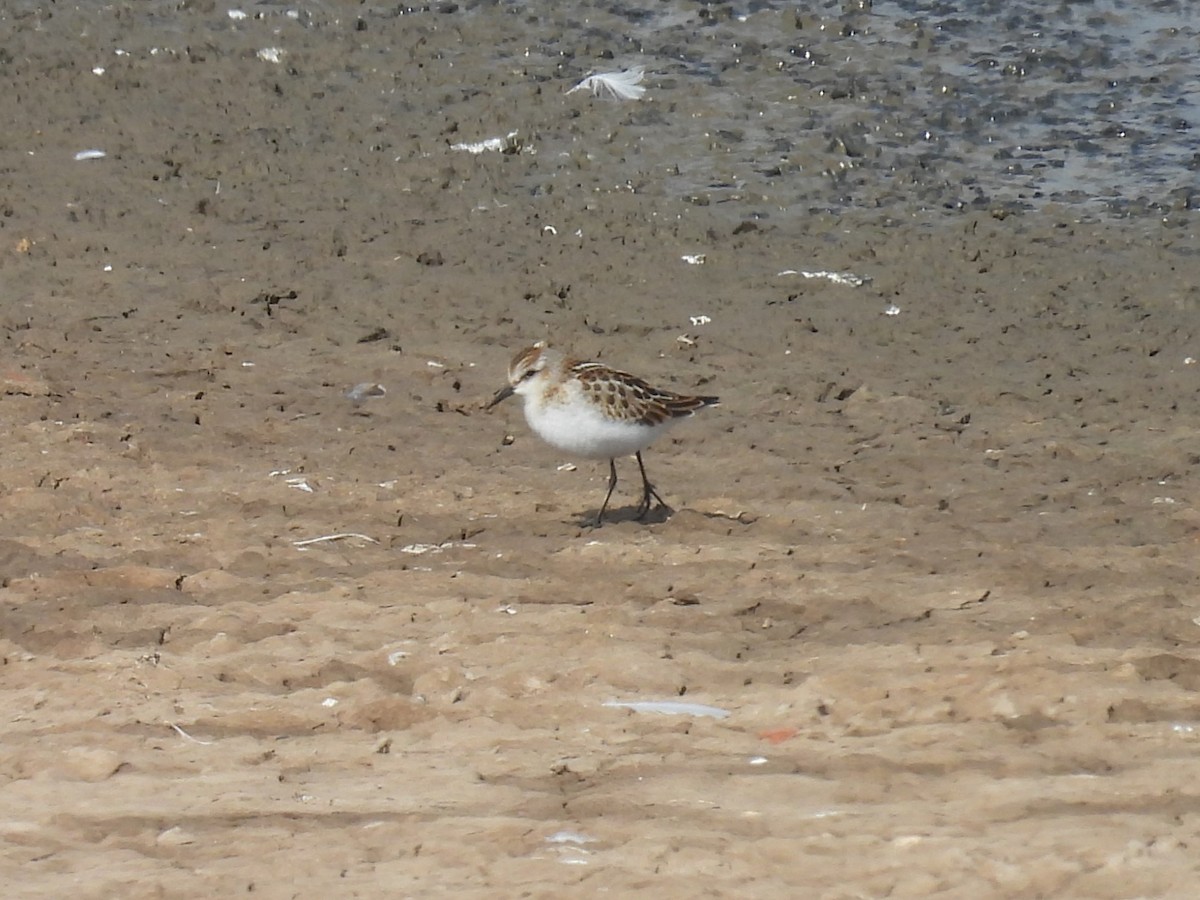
[628,396]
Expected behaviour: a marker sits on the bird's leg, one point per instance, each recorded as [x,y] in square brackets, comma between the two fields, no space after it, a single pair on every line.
[647,491]
[612,484]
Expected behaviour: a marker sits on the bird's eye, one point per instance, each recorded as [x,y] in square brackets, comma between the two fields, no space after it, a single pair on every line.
[527,374]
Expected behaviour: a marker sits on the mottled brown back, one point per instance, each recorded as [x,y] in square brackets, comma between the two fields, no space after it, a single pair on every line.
[625,396]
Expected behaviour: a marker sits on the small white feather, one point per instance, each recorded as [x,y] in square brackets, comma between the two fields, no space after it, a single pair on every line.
[626,85]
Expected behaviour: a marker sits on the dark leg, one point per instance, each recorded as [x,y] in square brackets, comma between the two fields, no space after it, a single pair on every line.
[647,492]
[612,484]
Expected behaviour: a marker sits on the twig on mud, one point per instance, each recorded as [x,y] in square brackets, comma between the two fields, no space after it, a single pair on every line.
[334,537]
[186,736]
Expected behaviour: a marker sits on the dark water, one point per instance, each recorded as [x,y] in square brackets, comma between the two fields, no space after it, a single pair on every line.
[919,104]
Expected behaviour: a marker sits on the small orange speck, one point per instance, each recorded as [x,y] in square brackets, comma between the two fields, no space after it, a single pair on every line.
[778,735]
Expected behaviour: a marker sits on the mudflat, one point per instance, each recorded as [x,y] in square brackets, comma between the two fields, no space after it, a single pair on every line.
[930,580]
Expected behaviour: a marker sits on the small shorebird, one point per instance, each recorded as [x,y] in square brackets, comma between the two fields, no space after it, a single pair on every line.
[590,410]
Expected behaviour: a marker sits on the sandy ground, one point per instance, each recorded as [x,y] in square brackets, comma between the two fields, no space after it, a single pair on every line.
[938,567]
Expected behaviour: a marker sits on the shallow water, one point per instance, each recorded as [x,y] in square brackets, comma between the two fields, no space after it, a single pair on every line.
[917,104]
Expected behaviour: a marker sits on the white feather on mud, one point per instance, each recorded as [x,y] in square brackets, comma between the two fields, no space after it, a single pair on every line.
[624,85]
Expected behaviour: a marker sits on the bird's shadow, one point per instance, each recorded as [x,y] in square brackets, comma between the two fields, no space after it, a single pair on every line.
[656,515]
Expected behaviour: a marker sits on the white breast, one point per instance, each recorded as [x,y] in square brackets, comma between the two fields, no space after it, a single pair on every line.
[581,429]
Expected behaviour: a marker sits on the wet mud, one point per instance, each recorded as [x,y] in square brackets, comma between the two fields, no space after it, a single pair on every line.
[933,557]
